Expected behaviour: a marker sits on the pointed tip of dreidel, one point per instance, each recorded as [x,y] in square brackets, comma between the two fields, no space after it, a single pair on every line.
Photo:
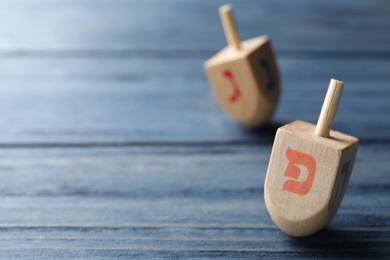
[309,170]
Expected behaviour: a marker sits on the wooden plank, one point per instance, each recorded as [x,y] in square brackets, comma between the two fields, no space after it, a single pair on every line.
[94,100]
[112,145]
[104,24]
[201,201]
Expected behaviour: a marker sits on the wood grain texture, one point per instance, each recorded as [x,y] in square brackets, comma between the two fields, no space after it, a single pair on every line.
[105,24]
[187,201]
[105,99]
[112,145]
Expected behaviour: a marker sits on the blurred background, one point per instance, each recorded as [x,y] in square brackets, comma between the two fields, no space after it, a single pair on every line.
[118,71]
[112,144]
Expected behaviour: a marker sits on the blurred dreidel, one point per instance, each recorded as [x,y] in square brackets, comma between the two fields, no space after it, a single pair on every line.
[244,75]
[309,170]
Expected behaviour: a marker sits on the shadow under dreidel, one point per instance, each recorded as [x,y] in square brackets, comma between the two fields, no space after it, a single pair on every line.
[332,243]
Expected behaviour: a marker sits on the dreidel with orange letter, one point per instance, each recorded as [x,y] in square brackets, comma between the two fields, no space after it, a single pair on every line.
[244,75]
[309,170]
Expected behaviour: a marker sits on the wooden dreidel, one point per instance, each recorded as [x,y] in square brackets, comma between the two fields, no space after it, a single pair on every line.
[244,75]
[309,170]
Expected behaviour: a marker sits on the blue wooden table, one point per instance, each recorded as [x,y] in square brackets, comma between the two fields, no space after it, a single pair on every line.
[113,146]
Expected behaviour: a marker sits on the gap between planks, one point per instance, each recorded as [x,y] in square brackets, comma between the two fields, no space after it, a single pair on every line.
[148,226]
[333,54]
[229,143]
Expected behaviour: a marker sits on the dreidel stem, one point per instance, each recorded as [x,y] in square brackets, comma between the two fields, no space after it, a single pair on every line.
[229,26]
[329,108]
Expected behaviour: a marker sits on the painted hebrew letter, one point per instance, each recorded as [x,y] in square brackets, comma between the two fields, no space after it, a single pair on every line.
[344,171]
[228,74]
[292,170]
[267,69]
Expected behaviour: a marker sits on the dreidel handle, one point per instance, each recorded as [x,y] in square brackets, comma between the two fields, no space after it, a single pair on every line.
[229,26]
[329,108]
